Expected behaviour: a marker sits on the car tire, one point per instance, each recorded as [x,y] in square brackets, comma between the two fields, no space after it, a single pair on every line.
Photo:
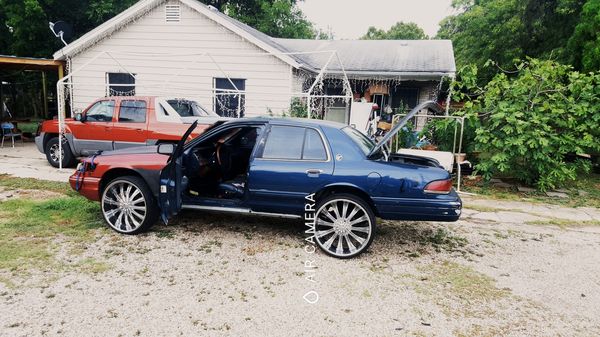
[51,151]
[128,205]
[346,220]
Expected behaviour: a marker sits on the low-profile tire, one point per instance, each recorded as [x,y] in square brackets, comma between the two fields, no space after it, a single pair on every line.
[344,225]
[52,153]
[128,205]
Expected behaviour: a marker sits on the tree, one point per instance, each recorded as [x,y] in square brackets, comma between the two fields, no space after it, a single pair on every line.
[276,18]
[506,30]
[531,120]
[24,24]
[584,45]
[399,31]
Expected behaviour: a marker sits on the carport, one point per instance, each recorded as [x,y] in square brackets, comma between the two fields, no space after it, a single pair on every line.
[10,69]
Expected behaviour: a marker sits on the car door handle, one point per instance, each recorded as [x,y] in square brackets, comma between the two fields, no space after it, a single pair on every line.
[313,172]
[139,130]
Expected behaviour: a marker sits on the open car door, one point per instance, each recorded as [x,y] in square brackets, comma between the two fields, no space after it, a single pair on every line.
[169,197]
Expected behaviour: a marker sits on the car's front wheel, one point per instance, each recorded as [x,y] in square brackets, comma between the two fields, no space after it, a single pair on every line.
[53,153]
[344,225]
[128,205]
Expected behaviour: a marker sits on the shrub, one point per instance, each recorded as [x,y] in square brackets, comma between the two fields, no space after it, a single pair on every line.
[533,118]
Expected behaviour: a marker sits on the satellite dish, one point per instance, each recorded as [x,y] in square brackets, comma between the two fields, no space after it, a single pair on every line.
[62,30]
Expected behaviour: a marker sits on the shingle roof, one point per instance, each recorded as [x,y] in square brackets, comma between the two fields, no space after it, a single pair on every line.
[383,57]
[377,56]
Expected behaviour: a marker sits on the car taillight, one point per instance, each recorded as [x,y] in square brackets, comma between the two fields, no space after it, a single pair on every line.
[439,187]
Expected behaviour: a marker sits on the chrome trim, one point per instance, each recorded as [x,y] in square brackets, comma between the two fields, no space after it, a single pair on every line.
[239,210]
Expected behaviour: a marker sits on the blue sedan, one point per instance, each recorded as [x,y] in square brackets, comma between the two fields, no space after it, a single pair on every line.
[328,173]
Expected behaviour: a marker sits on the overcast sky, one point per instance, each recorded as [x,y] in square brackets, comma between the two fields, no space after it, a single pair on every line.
[350,19]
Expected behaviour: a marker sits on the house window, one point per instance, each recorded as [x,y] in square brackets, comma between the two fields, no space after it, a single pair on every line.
[132,111]
[120,84]
[172,13]
[406,97]
[228,102]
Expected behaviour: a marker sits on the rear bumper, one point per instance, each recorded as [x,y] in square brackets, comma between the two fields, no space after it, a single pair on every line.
[444,208]
[89,186]
[39,142]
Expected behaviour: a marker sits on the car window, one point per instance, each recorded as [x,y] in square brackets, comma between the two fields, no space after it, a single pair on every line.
[132,111]
[101,111]
[284,142]
[314,149]
[187,108]
[365,144]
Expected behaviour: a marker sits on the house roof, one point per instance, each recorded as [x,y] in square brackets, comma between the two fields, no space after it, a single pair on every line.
[382,57]
[417,58]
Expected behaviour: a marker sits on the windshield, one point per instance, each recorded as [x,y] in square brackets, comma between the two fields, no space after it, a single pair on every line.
[365,144]
[187,108]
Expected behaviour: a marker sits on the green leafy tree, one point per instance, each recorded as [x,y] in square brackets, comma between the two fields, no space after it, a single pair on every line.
[506,30]
[584,45]
[24,23]
[532,119]
[277,18]
[399,31]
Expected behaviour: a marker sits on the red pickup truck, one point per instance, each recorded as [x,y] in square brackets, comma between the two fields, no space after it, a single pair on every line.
[113,123]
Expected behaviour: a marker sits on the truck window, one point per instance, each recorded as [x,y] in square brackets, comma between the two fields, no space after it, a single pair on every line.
[101,111]
[132,111]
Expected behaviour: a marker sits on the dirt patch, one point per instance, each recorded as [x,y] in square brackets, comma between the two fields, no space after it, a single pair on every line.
[6,194]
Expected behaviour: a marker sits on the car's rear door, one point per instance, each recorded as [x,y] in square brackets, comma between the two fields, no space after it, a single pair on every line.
[130,127]
[171,180]
[291,163]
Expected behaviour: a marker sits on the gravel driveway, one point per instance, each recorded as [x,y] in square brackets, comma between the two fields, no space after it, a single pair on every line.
[496,272]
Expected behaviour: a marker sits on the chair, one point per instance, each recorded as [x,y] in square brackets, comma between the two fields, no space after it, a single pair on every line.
[8,131]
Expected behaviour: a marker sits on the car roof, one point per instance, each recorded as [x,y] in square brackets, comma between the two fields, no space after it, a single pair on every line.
[287,121]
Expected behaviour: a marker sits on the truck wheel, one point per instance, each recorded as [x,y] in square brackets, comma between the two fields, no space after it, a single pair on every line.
[344,225]
[52,153]
[128,206]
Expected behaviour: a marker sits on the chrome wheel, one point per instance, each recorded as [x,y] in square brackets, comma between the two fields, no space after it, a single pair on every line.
[54,153]
[124,206]
[343,227]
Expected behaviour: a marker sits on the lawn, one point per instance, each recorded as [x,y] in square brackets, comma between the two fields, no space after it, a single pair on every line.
[584,192]
[30,227]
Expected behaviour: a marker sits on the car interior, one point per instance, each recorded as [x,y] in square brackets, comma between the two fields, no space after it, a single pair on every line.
[218,167]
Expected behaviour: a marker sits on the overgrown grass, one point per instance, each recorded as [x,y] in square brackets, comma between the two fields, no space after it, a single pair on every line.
[30,127]
[584,192]
[28,227]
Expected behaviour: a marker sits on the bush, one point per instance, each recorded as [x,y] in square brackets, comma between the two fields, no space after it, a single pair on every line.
[532,119]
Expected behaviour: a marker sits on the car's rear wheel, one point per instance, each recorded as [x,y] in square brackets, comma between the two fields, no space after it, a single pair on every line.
[128,206]
[344,225]
[52,151]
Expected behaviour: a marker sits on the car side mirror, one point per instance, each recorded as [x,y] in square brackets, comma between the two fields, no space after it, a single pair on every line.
[165,148]
[79,117]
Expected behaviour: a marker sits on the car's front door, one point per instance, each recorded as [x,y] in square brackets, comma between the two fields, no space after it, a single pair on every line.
[171,179]
[290,163]
[130,128]
[95,132]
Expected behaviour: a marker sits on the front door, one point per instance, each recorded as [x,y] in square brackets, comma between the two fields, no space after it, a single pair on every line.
[171,180]
[290,163]
[130,128]
[95,132]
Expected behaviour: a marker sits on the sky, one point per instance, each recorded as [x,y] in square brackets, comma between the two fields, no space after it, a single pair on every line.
[350,19]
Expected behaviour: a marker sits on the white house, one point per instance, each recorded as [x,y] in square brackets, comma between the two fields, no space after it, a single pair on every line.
[183,48]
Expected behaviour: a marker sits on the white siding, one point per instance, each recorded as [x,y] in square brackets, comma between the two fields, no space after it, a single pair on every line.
[268,79]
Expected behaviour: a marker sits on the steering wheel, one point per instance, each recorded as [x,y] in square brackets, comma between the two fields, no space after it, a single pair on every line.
[218,152]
